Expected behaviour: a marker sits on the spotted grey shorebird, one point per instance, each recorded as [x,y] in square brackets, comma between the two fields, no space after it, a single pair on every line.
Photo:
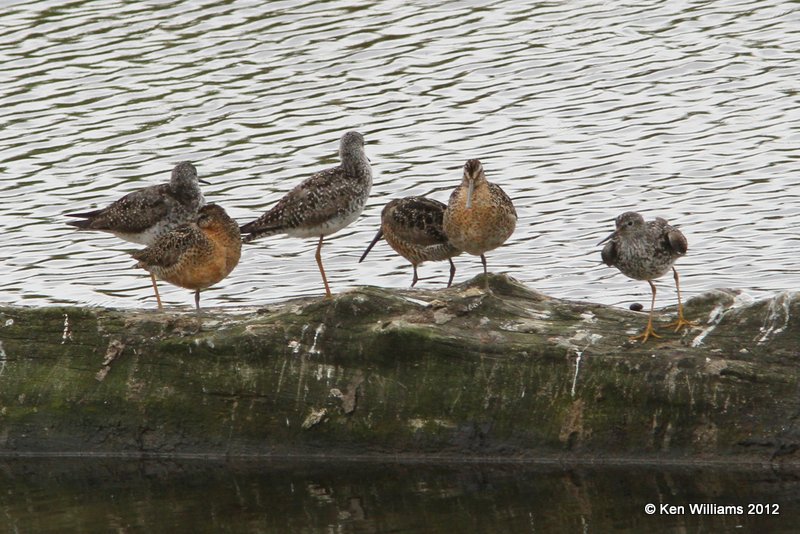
[413,228]
[144,215]
[322,204]
[479,216]
[195,255]
[646,251]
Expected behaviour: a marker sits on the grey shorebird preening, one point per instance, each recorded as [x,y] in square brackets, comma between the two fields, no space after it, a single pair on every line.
[195,255]
[646,251]
[322,204]
[480,216]
[413,228]
[144,215]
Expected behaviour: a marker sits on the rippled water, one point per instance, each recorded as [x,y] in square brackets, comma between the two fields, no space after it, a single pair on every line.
[118,496]
[580,110]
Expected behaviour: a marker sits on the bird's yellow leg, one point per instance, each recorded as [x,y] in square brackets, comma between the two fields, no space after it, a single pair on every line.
[681,322]
[649,331]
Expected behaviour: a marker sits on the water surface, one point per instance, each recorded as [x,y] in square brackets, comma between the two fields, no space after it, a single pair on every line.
[61,495]
[580,110]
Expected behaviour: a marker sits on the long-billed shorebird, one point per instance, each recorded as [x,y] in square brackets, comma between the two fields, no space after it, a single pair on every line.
[322,204]
[195,255]
[413,228]
[479,216]
[646,251]
[144,215]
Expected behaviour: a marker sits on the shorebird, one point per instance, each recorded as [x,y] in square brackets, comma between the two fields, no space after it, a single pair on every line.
[195,255]
[479,216]
[646,251]
[143,215]
[413,228]
[322,204]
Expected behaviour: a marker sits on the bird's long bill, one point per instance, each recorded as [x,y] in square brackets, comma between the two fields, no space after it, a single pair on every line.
[610,236]
[470,188]
[375,239]
[204,181]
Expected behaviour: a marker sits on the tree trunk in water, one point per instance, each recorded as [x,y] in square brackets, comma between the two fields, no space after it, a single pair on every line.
[407,373]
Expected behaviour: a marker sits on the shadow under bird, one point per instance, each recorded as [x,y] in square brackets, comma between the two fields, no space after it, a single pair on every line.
[322,204]
[195,255]
[646,251]
[144,215]
[413,228]
[479,216]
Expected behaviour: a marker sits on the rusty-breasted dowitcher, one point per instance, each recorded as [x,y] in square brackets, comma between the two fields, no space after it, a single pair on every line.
[646,251]
[479,216]
[144,215]
[195,255]
[413,228]
[322,204]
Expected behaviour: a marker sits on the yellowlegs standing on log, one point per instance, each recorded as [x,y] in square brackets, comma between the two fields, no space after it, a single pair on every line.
[413,228]
[479,216]
[144,215]
[646,251]
[322,204]
[195,255]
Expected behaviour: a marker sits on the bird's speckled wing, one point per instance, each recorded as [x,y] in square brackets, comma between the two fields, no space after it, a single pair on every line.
[133,213]
[170,247]
[505,200]
[418,220]
[610,253]
[312,202]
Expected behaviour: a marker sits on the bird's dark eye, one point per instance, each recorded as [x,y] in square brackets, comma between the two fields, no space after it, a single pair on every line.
[630,223]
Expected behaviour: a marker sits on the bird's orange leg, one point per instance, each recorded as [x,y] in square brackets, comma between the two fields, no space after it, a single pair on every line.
[318,256]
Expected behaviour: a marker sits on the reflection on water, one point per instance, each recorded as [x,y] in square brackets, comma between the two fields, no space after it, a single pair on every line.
[580,110]
[124,496]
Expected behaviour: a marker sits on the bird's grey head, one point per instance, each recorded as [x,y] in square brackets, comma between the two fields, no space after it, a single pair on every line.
[630,221]
[184,176]
[351,144]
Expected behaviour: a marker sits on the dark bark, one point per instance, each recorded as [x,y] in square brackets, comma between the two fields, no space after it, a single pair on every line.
[410,373]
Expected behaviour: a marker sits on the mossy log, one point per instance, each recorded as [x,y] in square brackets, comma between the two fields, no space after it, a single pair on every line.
[457,373]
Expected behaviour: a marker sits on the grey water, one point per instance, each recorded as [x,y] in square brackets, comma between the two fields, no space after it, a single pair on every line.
[87,496]
[580,110]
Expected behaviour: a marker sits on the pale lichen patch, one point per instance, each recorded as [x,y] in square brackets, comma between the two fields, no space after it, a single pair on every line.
[777,319]
[441,316]
[314,418]
[66,335]
[320,329]
[419,424]
[113,351]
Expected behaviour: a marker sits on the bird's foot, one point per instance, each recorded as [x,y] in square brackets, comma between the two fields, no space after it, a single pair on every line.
[681,323]
[648,333]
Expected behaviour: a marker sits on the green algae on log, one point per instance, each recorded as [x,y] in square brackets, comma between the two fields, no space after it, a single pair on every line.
[375,372]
